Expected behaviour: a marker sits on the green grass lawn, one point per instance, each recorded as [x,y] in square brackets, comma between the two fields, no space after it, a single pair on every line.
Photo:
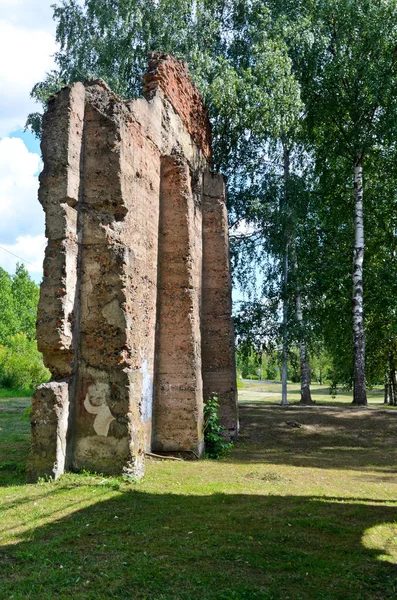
[270,393]
[304,507]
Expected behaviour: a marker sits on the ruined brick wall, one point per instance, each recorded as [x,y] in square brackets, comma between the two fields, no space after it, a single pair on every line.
[172,77]
[136,278]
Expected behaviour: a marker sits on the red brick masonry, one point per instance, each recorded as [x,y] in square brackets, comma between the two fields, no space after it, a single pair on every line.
[172,77]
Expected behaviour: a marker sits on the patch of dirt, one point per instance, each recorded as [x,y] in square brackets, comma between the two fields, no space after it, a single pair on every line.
[265,476]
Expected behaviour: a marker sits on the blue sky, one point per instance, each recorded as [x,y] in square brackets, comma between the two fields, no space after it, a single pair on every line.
[27,45]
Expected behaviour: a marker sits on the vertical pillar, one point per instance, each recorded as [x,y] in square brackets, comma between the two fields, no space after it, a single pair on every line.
[178,409]
[59,194]
[219,372]
[118,276]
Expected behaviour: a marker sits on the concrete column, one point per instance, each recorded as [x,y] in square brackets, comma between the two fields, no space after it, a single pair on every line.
[59,194]
[178,421]
[118,271]
[219,372]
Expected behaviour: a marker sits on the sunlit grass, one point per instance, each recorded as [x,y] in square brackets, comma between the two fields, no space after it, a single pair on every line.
[270,393]
[304,507]
[6,393]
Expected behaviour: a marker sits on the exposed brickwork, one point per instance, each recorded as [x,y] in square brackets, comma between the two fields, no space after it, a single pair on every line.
[128,310]
[172,77]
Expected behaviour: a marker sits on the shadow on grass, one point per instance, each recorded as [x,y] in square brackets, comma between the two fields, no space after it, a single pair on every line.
[326,437]
[14,440]
[164,546]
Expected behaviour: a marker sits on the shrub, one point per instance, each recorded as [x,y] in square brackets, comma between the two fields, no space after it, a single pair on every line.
[21,364]
[215,444]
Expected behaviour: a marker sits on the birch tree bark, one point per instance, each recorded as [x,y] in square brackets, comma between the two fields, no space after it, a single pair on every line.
[284,370]
[386,390]
[306,397]
[359,391]
[285,215]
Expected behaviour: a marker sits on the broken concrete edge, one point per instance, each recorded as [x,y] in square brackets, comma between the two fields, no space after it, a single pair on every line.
[49,423]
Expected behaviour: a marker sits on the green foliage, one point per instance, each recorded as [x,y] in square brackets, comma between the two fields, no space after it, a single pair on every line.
[320,366]
[272,368]
[8,320]
[25,293]
[19,296]
[15,393]
[42,92]
[248,363]
[215,444]
[243,72]
[21,364]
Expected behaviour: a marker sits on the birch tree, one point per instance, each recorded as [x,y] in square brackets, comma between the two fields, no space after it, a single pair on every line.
[349,87]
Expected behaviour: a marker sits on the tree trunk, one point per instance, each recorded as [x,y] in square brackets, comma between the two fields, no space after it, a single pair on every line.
[359,392]
[284,371]
[393,396]
[306,397]
[386,390]
[286,155]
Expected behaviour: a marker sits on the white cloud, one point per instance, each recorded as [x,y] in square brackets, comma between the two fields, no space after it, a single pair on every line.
[27,43]
[32,14]
[21,213]
[29,248]
[26,57]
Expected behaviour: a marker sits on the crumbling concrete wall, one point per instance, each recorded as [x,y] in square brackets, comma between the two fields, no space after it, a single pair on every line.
[134,317]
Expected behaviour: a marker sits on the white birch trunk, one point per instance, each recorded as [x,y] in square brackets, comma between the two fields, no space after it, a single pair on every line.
[306,397]
[284,372]
[286,153]
[359,391]
[386,391]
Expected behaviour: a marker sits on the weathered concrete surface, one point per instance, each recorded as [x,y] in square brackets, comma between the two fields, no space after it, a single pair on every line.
[178,417]
[219,369]
[50,412]
[119,223]
[124,322]
[59,194]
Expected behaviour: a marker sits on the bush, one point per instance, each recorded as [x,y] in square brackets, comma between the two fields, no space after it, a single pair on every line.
[215,445]
[21,364]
